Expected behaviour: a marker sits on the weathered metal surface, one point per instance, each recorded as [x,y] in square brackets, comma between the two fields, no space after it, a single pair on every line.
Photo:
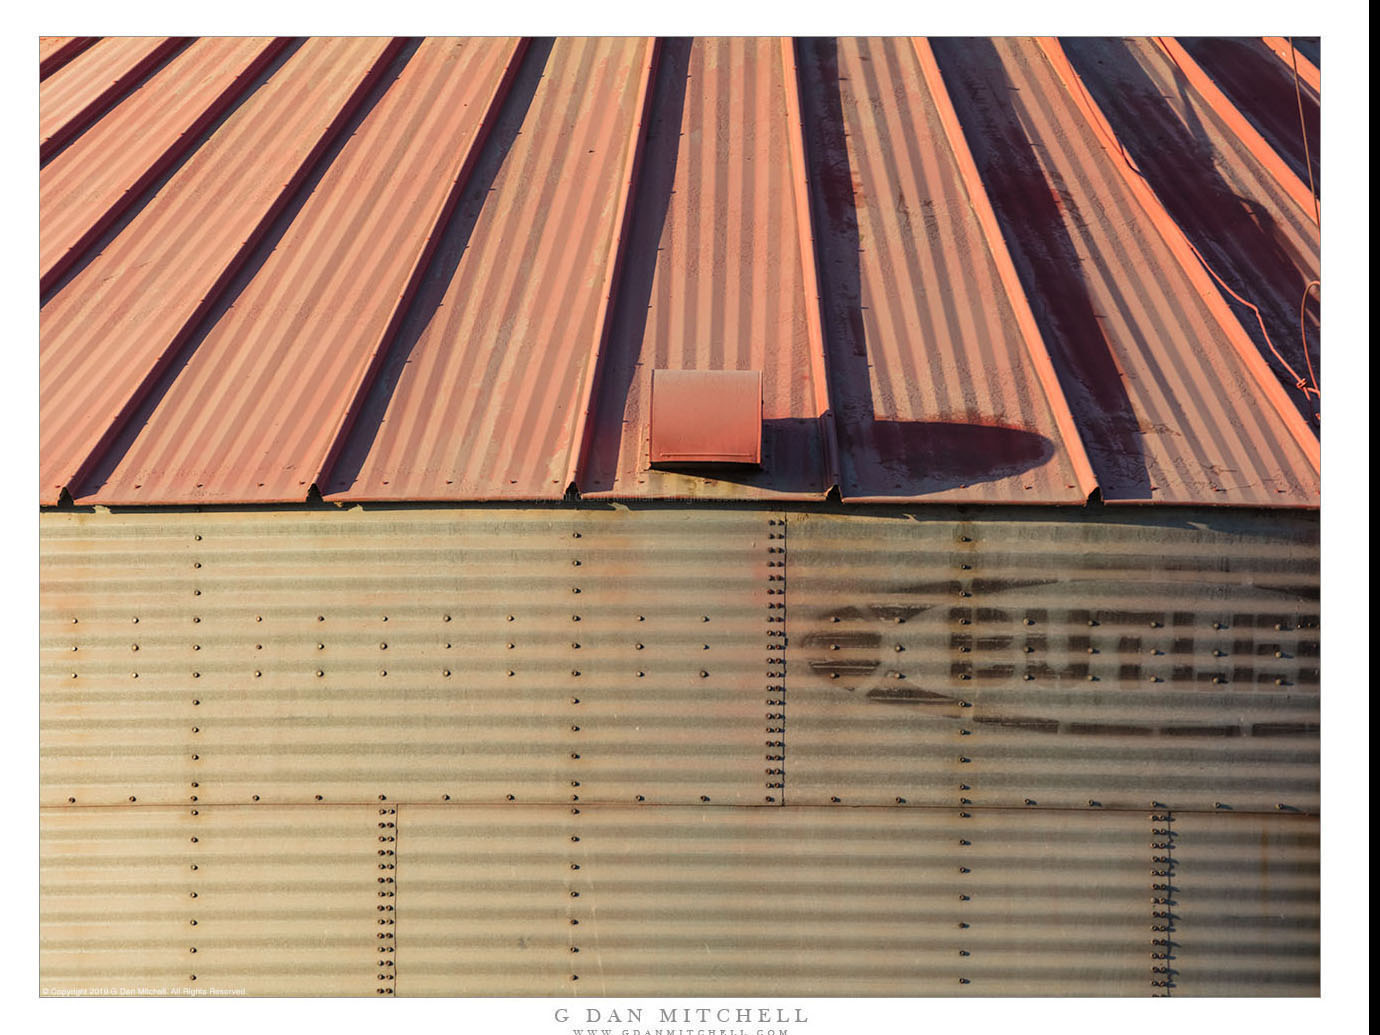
[1157,371]
[214,901]
[894,902]
[1263,87]
[702,204]
[477,655]
[76,94]
[935,393]
[1244,210]
[715,277]
[699,416]
[1244,905]
[945,657]
[85,188]
[301,340]
[484,900]
[56,51]
[116,325]
[505,339]
[1295,55]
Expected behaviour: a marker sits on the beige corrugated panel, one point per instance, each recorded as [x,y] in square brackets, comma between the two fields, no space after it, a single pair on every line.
[1098,656]
[1245,909]
[213,901]
[484,902]
[839,901]
[471,654]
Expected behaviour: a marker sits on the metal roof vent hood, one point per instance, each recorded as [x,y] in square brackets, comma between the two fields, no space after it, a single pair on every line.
[706,417]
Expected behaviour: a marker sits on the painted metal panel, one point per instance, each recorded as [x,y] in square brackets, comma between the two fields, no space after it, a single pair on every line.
[70,98]
[500,338]
[114,326]
[56,51]
[896,902]
[471,655]
[85,188]
[1169,406]
[1244,905]
[1263,87]
[305,334]
[484,900]
[934,392]
[214,902]
[998,659]
[715,277]
[1245,211]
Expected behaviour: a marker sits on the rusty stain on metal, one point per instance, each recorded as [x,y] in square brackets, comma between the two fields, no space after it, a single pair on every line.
[705,416]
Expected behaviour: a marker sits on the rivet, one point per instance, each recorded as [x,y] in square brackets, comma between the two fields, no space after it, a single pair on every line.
[196,646]
[1218,805]
[574,564]
[253,797]
[445,797]
[900,801]
[900,620]
[511,646]
[574,535]
[836,618]
[196,592]
[383,646]
[74,622]
[510,618]
[576,646]
[704,618]
[510,672]
[834,799]
[71,801]
[445,671]
[132,798]
[445,618]
[319,672]
[640,674]
[637,646]
[703,673]
[1030,801]
[133,646]
[641,798]
[196,675]
[704,797]
[196,564]
[385,618]
[196,758]
[319,798]
[257,673]
[510,797]
[574,589]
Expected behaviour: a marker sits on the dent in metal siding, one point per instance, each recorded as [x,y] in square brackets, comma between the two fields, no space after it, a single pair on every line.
[499,337]
[204,901]
[715,276]
[951,659]
[550,656]
[1245,905]
[302,340]
[112,328]
[1154,369]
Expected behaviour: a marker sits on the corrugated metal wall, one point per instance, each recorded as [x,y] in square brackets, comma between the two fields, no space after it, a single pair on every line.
[678,750]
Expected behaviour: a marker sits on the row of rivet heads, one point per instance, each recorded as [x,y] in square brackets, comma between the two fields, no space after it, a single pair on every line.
[775,700]
[1161,900]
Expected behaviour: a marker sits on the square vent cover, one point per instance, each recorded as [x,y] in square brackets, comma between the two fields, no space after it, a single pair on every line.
[706,417]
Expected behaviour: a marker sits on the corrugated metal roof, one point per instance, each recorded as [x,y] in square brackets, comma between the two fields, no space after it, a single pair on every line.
[969,270]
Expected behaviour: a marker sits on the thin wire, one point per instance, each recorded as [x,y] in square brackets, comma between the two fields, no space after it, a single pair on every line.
[1303,131]
[1299,382]
[1303,333]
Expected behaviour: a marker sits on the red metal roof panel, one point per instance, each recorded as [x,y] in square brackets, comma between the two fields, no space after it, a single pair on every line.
[70,98]
[86,186]
[255,410]
[715,276]
[445,270]
[107,334]
[1170,410]
[56,51]
[936,395]
[482,394]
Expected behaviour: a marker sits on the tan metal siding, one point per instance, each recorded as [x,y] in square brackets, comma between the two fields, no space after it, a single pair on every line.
[212,901]
[1111,658]
[1245,907]
[354,654]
